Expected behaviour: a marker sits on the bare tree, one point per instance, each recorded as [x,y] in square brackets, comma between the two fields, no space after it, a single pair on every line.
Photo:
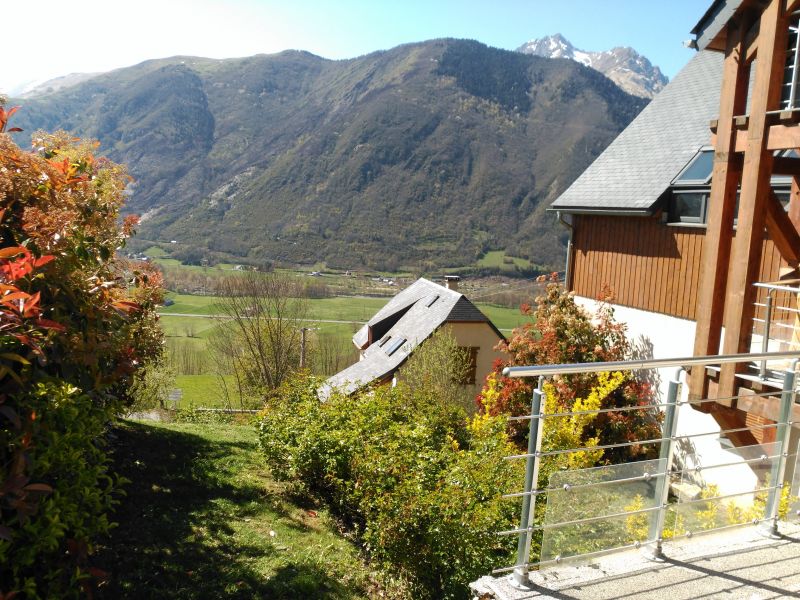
[330,354]
[260,342]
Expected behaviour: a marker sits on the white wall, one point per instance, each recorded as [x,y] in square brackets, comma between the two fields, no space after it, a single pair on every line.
[660,336]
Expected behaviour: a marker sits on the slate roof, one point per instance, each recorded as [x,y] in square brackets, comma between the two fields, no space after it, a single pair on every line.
[633,173]
[416,324]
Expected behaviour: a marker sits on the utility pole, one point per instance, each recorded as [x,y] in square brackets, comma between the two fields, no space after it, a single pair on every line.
[303,347]
[303,331]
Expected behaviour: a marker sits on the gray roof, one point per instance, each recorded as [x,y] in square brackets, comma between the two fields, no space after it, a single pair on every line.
[633,173]
[417,322]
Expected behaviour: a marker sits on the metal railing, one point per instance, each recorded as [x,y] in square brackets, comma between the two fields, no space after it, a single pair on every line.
[636,525]
[779,326]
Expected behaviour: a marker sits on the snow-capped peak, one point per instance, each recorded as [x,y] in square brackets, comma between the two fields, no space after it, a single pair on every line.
[623,65]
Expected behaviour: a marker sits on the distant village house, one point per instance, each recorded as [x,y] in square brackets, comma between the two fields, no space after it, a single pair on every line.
[411,317]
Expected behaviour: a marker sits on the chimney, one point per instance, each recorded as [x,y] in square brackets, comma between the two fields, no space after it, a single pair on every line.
[451,282]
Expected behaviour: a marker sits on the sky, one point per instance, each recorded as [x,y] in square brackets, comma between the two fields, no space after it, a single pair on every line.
[43,39]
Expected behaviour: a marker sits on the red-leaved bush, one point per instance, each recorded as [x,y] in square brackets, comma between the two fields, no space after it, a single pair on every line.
[75,325]
[561,332]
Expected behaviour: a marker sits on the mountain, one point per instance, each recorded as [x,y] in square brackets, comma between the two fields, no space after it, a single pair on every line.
[40,88]
[426,155]
[624,66]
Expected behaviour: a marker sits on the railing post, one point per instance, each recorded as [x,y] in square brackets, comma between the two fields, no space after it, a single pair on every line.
[767,327]
[782,432]
[521,575]
[655,534]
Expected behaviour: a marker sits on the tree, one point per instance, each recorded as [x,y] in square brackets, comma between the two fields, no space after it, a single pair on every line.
[260,340]
[437,368]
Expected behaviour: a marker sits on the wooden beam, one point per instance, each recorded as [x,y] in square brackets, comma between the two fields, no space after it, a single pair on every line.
[791,6]
[751,44]
[794,202]
[786,165]
[755,190]
[719,231]
[779,137]
[730,418]
[783,232]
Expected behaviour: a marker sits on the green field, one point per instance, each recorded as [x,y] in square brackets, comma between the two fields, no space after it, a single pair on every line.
[499,259]
[187,336]
[342,308]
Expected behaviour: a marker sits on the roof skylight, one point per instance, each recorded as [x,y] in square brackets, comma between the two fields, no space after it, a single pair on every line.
[394,346]
[698,171]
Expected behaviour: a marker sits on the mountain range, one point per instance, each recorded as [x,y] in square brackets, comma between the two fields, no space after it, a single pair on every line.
[425,156]
[624,66]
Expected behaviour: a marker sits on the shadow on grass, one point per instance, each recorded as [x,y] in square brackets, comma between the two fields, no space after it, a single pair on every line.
[175,537]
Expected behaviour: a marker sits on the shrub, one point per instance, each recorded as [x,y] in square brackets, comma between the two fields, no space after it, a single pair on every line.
[75,326]
[561,332]
[47,544]
[418,482]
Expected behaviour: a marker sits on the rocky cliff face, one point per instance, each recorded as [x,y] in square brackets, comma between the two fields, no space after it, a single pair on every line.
[624,66]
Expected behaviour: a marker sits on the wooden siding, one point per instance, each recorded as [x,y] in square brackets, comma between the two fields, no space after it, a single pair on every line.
[646,264]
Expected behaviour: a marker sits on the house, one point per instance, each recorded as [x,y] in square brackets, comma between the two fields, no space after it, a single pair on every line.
[695,208]
[387,340]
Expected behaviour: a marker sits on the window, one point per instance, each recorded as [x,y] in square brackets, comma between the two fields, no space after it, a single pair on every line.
[790,92]
[382,343]
[698,171]
[432,301]
[394,346]
[688,207]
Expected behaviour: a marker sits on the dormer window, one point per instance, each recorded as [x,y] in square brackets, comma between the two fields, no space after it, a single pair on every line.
[691,189]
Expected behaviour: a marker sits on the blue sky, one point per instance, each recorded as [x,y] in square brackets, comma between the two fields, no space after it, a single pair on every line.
[46,38]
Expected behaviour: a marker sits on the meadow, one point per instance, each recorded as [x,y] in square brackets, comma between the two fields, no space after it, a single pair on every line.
[189,320]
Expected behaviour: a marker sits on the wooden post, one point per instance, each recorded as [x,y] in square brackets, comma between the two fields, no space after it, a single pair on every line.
[303,347]
[722,201]
[755,192]
[794,202]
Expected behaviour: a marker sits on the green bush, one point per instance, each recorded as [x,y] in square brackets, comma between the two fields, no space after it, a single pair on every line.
[417,481]
[72,495]
[76,324]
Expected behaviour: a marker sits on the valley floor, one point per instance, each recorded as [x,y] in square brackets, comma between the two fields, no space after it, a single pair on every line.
[202,518]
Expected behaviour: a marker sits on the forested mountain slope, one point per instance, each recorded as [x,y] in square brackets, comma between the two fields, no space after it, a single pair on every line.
[425,155]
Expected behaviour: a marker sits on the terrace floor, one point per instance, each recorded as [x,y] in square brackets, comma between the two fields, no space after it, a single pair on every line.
[732,564]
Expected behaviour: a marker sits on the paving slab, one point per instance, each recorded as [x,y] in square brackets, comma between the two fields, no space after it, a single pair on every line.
[732,564]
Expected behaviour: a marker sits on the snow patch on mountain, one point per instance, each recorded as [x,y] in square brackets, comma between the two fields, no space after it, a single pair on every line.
[627,68]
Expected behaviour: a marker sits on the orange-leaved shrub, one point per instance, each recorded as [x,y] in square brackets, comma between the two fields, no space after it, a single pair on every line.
[75,325]
[561,332]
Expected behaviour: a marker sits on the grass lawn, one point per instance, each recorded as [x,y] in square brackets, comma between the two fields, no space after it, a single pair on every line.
[497,258]
[503,318]
[191,304]
[202,391]
[203,519]
[340,308]
[190,327]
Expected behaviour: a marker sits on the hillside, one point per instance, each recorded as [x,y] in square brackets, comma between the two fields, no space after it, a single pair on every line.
[426,155]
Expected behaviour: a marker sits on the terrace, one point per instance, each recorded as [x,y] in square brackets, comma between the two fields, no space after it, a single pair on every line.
[669,511]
